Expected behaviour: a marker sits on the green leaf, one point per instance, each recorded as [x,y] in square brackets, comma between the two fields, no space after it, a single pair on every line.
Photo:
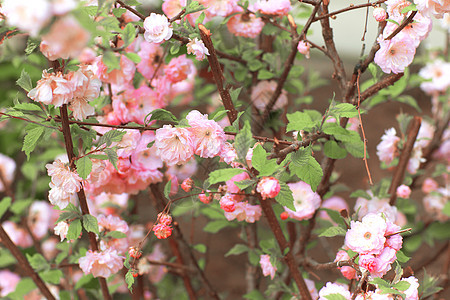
[90,223]
[24,81]
[335,216]
[129,279]
[440,231]
[67,215]
[133,57]
[84,280]
[216,225]
[223,175]
[307,168]
[335,297]
[401,257]
[51,276]
[264,74]
[37,262]
[242,185]
[74,230]
[445,210]
[402,285]
[379,282]
[111,136]
[243,141]
[24,286]
[261,163]
[128,34]
[346,110]
[4,205]
[116,235]
[333,150]
[410,7]
[168,188]
[162,115]
[334,231]
[118,12]
[254,295]
[255,65]
[200,248]
[111,61]
[27,106]
[299,121]
[175,48]
[234,94]
[237,249]
[31,139]
[18,207]
[285,197]
[84,166]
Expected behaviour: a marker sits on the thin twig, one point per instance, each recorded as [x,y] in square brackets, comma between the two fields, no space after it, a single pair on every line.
[403,25]
[334,13]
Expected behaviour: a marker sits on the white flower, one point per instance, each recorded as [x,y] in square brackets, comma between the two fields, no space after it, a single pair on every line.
[157,28]
[197,48]
[61,229]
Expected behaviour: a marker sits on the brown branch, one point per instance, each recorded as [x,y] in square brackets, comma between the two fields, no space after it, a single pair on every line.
[187,282]
[375,88]
[413,130]
[334,13]
[217,74]
[284,244]
[23,263]
[27,120]
[297,145]
[403,25]
[81,195]
[131,9]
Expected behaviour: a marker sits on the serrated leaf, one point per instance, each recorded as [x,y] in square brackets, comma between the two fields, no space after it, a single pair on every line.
[38,262]
[401,257]
[129,279]
[27,106]
[112,156]
[51,276]
[128,34]
[84,166]
[234,94]
[24,81]
[237,249]
[111,136]
[161,115]
[67,215]
[74,230]
[307,168]
[90,223]
[379,282]
[242,185]
[4,205]
[243,141]
[346,110]
[334,231]
[285,197]
[335,216]
[261,163]
[168,188]
[31,139]
[299,121]
[333,150]
[402,285]
[223,175]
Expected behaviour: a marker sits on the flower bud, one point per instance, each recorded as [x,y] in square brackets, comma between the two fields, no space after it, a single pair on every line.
[379,14]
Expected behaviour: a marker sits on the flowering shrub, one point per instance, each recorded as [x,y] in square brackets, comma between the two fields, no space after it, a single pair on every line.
[121,103]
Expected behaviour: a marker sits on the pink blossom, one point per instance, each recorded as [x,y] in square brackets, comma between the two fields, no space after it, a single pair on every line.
[244,212]
[273,7]
[112,223]
[101,264]
[387,148]
[29,16]
[369,262]
[164,218]
[227,203]
[232,188]
[118,77]
[208,137]
[245,24]
[18,235]
[403,191]
[40,218]
[395,54]
[162,231]
[347,271]
[425,135]
[61,229]
[174,144]
[429,185]
[66,38]
[306,202]
[395,8]
[52,89]
[334,288]
[335,203]
[155,272]
[311,288]
[269,187]
[303,48]
[63,177]
[415,160]
[228,154]
[49,249]
[157,28]
[414,32]
[179,68]
[197,47]
[221,8]
[367,236]
[262,93]
[438,74]
[58,196]
[8,282]
[7,170]
[393,239]
[379,14]
[437,8]
[183,171]
[434,203]
[266,266]
[86,88]
[205,198]
[412,292]
[384,262]
[187,185]
[151,56]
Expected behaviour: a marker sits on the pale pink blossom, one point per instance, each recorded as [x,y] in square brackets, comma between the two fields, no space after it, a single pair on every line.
[52,89]
[197,47]
[268,187]
[303,47]
[273,7]
[19,236]
[393,239]
[387,148]
[425,135]
[244,212]
[39,218]
[334,288]
[7,170]
[335,203]
[205,198]
[233,188]
[306,202]
[179,68]
[312,288]
[66,39]
[101,264]
[174,144]
[435,202]
[155,272]
[61,229]
[416,31]
[86,88]
[29,16]
[429,185]
[61,7]
[267,267]
[367,236]
[49,249]
[384,262]
[220,8]
[379,14]
[227,203]
[118,77]
[376,205]
[245,24]
[262,93]
[437,8]
[412,292]
[63,177]
[111,223]
[347,272]
[228,154]
[60,197]
[415,160]
[157,28]
[151,56]
[8,282]
[395,7]
[437,74]
[183,171]
[403,191]
[87,56]
[395,54]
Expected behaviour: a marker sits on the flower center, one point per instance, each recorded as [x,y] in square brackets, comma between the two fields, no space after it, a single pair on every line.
[367,235]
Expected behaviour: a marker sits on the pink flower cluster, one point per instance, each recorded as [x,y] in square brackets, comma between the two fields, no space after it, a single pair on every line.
[376,242]
[435,199]
[163,230]
[411,293]
[437,76]
[377,205]
[306,202]
[334,288]
[266,266]
[268,187]
[64,184]
[101,263]
[110,223]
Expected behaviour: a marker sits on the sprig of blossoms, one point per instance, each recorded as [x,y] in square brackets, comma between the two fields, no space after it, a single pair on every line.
[64,183]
